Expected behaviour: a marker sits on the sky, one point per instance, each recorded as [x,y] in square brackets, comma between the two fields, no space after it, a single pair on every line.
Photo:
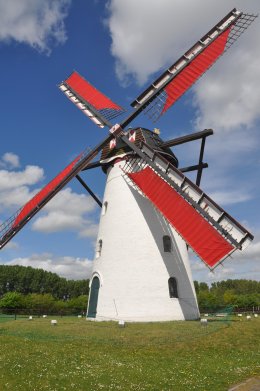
[120,46]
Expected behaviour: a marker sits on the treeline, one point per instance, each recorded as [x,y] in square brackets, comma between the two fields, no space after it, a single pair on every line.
[39,290]
[40,304]
[27,280]
[238,293]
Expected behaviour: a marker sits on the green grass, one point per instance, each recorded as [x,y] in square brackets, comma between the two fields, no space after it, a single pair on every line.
[84,356]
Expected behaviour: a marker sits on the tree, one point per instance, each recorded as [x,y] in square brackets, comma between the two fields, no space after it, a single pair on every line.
[28,280]
[42,303]
[11,300]
[79,303]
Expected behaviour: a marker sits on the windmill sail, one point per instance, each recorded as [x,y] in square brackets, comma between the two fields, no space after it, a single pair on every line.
[93,103]
[210,231]
[13,225]
[177,79]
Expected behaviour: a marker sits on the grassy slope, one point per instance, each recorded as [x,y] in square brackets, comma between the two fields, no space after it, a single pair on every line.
[80,355]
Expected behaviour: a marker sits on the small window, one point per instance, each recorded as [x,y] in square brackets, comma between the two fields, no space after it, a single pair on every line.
[99,248]
[167,244]
[104,208]
[173,289]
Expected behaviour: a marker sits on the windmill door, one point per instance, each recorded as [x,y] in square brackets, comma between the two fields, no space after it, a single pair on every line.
[93,300]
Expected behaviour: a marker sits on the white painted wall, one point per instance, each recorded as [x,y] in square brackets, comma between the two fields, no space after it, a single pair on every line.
[133,267]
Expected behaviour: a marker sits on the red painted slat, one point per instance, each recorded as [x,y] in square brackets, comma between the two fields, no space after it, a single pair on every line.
[39,197]
[201,236]
[90,94]
[184,80]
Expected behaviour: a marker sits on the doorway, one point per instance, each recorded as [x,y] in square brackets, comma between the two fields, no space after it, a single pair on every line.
[93,299]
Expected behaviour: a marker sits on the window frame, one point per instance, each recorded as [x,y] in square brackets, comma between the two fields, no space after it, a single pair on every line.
[167,244]
[173,287]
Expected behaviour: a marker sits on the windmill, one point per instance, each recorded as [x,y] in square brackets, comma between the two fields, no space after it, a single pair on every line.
[151,212]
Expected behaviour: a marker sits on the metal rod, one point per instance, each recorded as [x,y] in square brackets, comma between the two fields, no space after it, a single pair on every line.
[187,138]
[89,190]
[193,168]
[199,174]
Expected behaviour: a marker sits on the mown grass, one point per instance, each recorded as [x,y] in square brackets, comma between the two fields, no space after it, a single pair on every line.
[82,355]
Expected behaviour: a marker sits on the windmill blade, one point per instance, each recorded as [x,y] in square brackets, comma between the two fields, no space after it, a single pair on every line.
[210,231]
[13,225]
[93,103]
[177,79]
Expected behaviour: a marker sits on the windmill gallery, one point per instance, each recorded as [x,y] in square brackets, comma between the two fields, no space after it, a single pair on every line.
[151,212]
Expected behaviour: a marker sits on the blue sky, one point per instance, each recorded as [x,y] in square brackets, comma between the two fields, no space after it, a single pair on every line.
[120,47]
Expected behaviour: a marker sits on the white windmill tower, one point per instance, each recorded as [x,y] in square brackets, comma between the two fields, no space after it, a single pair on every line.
[151,212]
[141,269]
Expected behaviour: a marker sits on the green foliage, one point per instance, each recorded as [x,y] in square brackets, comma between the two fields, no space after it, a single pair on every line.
[78,303]
[42,304]
[240,287]
[37,289]
[27,280]
[238,293]
[12,300]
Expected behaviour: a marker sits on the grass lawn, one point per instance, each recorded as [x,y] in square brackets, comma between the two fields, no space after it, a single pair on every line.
[84,356]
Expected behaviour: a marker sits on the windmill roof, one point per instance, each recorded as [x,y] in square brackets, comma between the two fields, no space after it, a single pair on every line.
[139,135]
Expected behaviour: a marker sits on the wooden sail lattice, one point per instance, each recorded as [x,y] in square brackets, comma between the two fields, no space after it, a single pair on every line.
[209,230]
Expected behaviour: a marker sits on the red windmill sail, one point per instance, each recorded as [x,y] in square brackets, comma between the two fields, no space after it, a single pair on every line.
[210,231]
[177,79]
[210,246]
[185,79]
[13,225]
[93,103]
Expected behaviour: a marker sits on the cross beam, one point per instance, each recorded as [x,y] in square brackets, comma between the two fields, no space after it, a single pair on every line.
[89,190]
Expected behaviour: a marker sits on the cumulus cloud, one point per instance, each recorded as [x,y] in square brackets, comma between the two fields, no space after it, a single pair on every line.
[65,266]
[10,159]
[15,184]
[68,211]
[11,246]
[231,197]
[251,253]
[37,23]
[13,179]
[149,36]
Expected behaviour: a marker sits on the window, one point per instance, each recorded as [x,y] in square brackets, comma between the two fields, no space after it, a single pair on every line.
[104,208]
[99,248]
[173,289]
[167,244]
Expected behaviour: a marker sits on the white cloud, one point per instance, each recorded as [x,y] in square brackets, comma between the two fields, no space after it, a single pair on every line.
[231,197]
[148,36]
[13,179]
[15,185]
[11,246]
[251,253]
[40,24]
[66,266]
[10,159]
[68,211]
[12,199]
